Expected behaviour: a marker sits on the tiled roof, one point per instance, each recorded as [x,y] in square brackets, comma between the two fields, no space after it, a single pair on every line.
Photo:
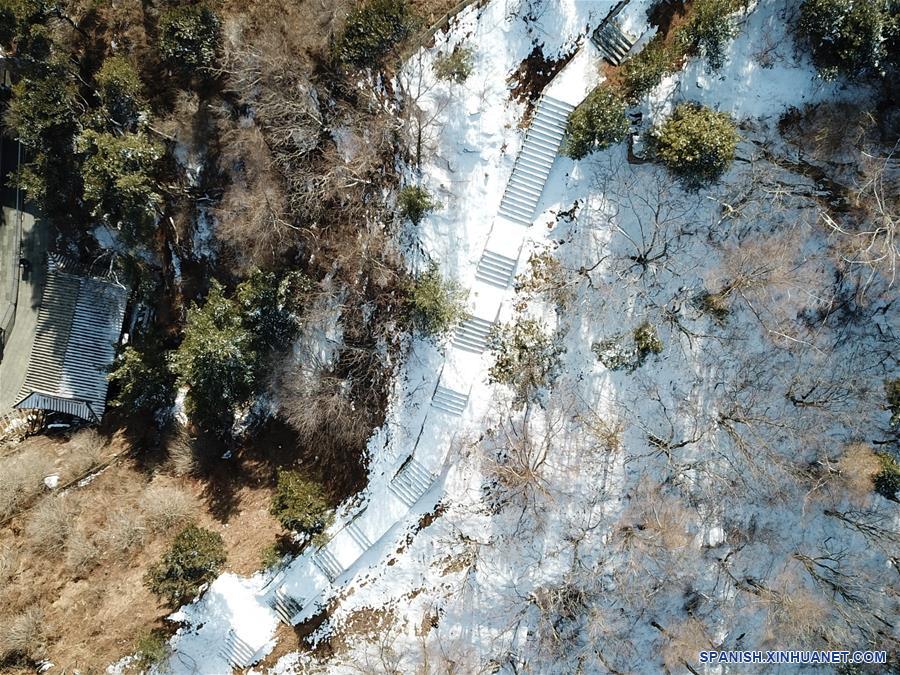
[78,327]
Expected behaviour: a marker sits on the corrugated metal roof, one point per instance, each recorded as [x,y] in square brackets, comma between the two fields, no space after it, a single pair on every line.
[78,327]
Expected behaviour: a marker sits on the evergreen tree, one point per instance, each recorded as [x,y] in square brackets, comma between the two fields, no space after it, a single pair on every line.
[195,557]
[846,37]
[696,143]
[119,178]
[120,90]
[299,504]
[597,123]
[372,30]
[216,360]
[190,37]
[435,305]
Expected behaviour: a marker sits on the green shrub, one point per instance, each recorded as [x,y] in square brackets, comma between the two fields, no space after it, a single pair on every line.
[647,341]
[216,360]
[300,505]
[617,353]
[887,480]
[892,393]
[455,66]
[189,37]
[435,305]
[143,380]
[151,649]
[646,69]
[695,143]
[597,123]
[193,559]
[372,30]
[415,203]
[714,304]
[845,36]
[119,174]
[526,358]
[709,29]
[120,89]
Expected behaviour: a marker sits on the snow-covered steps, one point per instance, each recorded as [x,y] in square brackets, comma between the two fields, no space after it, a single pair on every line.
[285,606]
[237,652]
[449,401]
[411,481]
[472,334]
[495,269]
[542,140]
[613,42]
[358,536]
[326,561]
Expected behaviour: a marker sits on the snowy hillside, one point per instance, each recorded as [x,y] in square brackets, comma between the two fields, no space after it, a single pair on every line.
[693,491]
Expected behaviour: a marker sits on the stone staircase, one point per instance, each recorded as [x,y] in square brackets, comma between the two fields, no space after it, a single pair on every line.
[411,482]
[285,606]
[358,536]
[535,160]
[237,652]
[326,561]
[613,43]
[472,335]
[449,401]
[495,269]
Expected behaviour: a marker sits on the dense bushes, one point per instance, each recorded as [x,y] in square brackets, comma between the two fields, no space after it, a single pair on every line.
[455,66]
[709,29]
[193,559]
[414,202]
[435,305]
[695,143]
[887,480]
[120,89]
[616,353]
[526,358]
[372,30]
[226,341]
[847,37]
[120,185]
[646,69]
[300,505]
[597,123]
[189,37]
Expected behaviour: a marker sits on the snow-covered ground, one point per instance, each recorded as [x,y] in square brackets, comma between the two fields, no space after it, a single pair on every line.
[651,491]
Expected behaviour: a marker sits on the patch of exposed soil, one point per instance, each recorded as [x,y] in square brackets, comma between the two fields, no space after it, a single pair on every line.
[532,76]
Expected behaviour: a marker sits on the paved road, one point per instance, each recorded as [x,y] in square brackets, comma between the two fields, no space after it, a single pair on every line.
[18,346]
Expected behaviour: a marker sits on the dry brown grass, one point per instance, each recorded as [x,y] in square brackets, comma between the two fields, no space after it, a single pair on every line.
[21,479]
[182,453]
[795,615]
[24,635]
[167,507]
[857,468]
[49,525]
[82,554]
[125,530]
[684,642]
[86,452]
[657,520]
[9,565]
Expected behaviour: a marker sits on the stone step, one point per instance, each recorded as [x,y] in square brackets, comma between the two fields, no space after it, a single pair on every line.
[285,606]
[357,535]
[237,652]
[450,401]
[472,334]
[411,482]
[495,269]
[328,563]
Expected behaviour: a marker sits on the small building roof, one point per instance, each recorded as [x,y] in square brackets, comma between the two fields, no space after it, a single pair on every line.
[78,326]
